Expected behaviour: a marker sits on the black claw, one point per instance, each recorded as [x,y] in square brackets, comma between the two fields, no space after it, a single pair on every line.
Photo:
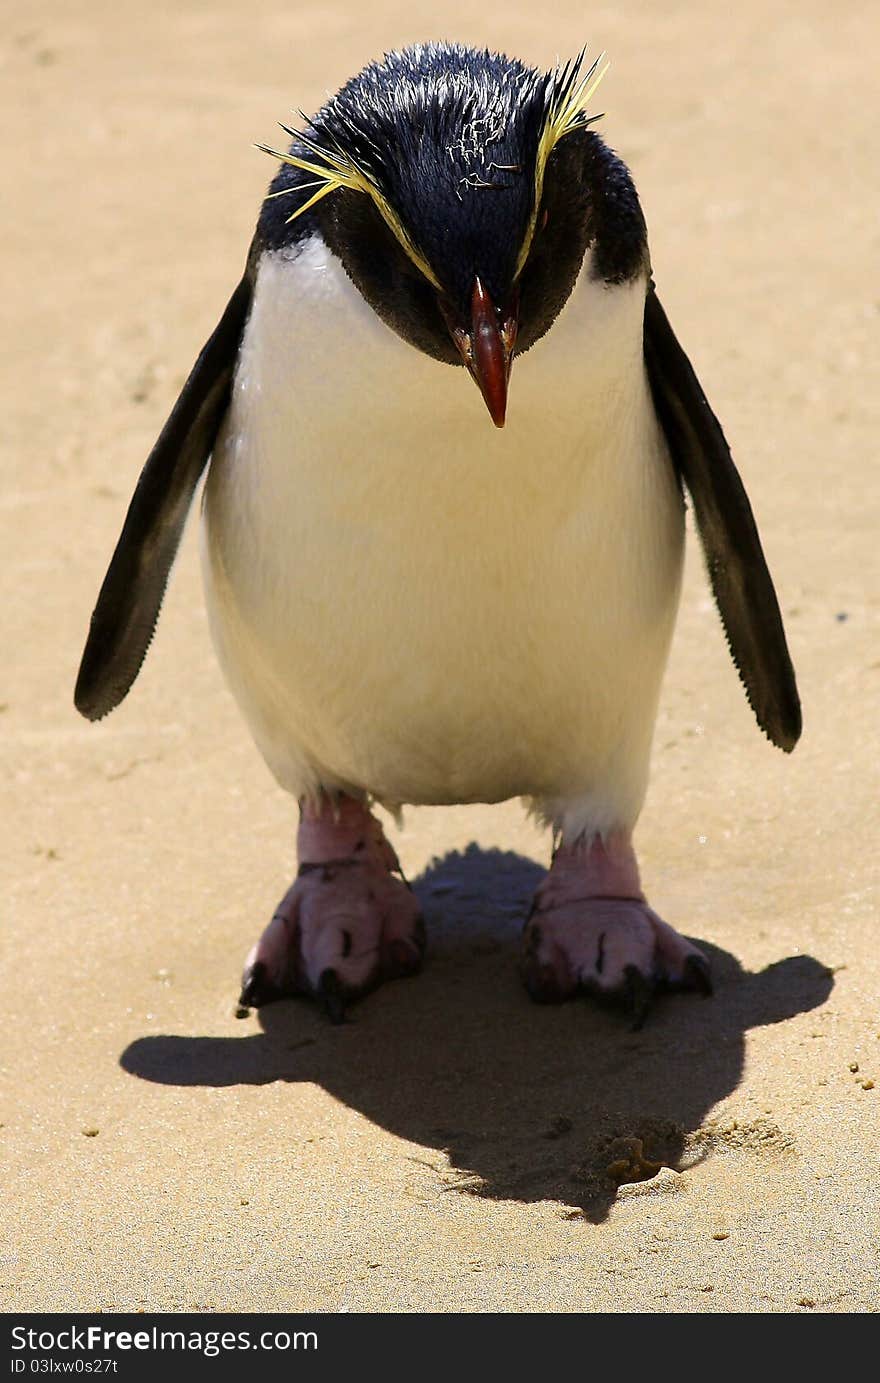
[404,879]
[419,936]
[696,975]
[543,983]
[332,996]
[638,993]
[600,954]
[254,988]
[532,940]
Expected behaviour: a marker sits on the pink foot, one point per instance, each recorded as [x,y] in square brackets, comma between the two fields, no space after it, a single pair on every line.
[591,930]
[345,924]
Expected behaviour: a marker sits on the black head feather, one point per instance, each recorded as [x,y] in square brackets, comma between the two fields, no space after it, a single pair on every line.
[450,136]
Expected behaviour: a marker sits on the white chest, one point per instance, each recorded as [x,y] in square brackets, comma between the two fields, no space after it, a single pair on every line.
[407,599]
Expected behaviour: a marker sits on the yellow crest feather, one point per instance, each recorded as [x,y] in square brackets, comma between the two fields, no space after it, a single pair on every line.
[566,112]
[334,169]
[568,91]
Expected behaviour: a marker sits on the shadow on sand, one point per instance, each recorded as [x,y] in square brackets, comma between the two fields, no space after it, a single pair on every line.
[530,1103]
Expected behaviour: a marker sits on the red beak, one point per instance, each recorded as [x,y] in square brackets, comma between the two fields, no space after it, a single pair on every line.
[487,349]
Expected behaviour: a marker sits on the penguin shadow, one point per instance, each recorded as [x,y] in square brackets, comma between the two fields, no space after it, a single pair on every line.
[521,1101]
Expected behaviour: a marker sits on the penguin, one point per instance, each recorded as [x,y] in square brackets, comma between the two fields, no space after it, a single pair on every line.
[414,603]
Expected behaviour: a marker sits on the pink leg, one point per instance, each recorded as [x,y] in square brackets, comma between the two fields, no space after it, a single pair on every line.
[590,929]
[345,924]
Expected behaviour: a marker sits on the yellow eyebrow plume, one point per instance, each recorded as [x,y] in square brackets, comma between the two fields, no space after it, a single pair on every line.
[568,91]
[333,169]
[566,112]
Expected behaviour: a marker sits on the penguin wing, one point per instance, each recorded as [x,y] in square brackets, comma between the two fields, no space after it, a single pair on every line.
[741,583]
[128,605]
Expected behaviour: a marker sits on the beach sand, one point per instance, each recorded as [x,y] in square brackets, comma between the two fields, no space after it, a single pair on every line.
[453,1147]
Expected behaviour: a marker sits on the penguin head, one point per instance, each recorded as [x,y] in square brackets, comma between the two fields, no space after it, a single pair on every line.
[466,189]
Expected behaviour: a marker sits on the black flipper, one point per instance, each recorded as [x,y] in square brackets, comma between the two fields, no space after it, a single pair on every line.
[737,570]
[129,601]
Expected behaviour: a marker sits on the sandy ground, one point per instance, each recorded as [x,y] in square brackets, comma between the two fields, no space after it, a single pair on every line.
[446,1150]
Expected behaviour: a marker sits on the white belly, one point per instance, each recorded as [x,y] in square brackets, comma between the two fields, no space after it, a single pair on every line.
[409,601]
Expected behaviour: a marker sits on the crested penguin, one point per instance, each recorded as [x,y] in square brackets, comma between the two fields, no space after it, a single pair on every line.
[412,602]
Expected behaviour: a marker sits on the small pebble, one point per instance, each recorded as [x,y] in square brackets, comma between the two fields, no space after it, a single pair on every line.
[91,1132]
[867,1085]
[720,1235]
[853,1066]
